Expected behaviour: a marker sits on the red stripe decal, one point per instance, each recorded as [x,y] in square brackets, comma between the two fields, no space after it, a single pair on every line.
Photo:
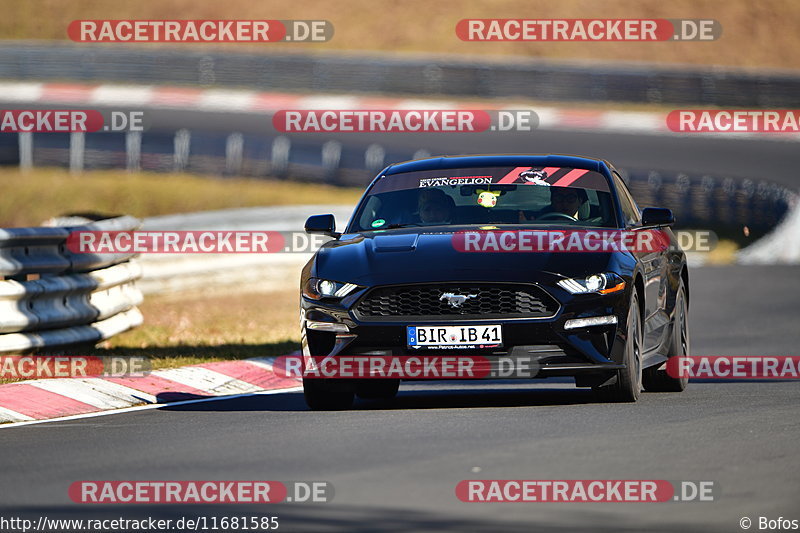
[511,176]
[514,174]
[550,171]
[570,177]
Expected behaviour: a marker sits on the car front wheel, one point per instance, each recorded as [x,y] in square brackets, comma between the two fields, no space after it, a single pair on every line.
[656,380]
[628,383]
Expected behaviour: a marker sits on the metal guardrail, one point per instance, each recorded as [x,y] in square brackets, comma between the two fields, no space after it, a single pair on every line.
[529,78]
[724,204]
[50,297]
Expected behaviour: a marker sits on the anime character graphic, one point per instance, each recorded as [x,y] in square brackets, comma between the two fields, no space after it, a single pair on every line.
[487,198]
[533,176]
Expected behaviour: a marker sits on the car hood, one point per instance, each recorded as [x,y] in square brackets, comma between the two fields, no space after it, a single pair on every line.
[412,256]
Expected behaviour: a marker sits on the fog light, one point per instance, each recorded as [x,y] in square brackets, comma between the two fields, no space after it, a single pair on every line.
[335,327]
[591,321]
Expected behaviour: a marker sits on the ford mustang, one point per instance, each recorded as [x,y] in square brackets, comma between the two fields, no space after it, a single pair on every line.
[492,256]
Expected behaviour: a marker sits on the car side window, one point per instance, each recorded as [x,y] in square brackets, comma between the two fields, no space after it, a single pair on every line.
[629,208]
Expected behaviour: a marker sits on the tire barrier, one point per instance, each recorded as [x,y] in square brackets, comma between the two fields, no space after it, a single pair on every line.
[51,298]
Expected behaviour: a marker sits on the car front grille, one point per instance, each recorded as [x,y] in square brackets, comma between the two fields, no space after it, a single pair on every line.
[455,300]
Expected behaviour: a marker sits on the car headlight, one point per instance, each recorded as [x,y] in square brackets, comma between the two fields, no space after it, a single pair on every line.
[605,283]
[324,288]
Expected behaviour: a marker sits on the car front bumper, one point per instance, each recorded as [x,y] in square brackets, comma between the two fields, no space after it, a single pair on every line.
[332,329]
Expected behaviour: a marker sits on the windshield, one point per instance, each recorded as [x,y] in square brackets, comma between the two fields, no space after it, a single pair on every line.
[488,196]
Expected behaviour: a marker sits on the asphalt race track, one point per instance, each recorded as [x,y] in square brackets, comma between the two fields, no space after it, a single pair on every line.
[395,466]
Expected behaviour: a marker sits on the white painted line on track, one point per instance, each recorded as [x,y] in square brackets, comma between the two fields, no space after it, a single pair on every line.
[7,415]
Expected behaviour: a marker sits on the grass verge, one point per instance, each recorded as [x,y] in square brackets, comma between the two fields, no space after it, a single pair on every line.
[30,198]
[201,329]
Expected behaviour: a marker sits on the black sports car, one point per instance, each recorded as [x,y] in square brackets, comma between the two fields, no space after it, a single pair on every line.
[432,260]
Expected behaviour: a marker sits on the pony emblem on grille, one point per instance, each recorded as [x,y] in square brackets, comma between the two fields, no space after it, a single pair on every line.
[456,300]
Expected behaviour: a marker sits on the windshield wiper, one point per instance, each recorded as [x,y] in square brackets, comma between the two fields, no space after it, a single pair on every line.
[407,225]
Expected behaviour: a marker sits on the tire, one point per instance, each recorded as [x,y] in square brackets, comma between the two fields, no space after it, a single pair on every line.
[656,380]
[378,389]
[628,385]
[321,396]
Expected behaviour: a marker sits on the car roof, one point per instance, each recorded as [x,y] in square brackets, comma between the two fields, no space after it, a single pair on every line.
[504,160]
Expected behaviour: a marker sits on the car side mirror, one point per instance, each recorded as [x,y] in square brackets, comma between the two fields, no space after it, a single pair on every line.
[323,224]
[657,216]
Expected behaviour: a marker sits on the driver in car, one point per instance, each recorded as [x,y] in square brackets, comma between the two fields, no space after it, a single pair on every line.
[563,200]
[566,200]
[435,206]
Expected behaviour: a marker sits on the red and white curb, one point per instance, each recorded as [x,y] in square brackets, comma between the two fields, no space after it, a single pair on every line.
[242,101]
[45,399]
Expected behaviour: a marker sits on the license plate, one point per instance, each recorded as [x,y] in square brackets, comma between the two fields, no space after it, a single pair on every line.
[490,336]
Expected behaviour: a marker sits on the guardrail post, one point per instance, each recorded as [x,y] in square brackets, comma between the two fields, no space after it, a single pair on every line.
[421,154]
[182,144]
[656,186]
[77,143]
[374,158]
[234,152]
[133,151]
[279,162]
[331,156]
[25,150]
